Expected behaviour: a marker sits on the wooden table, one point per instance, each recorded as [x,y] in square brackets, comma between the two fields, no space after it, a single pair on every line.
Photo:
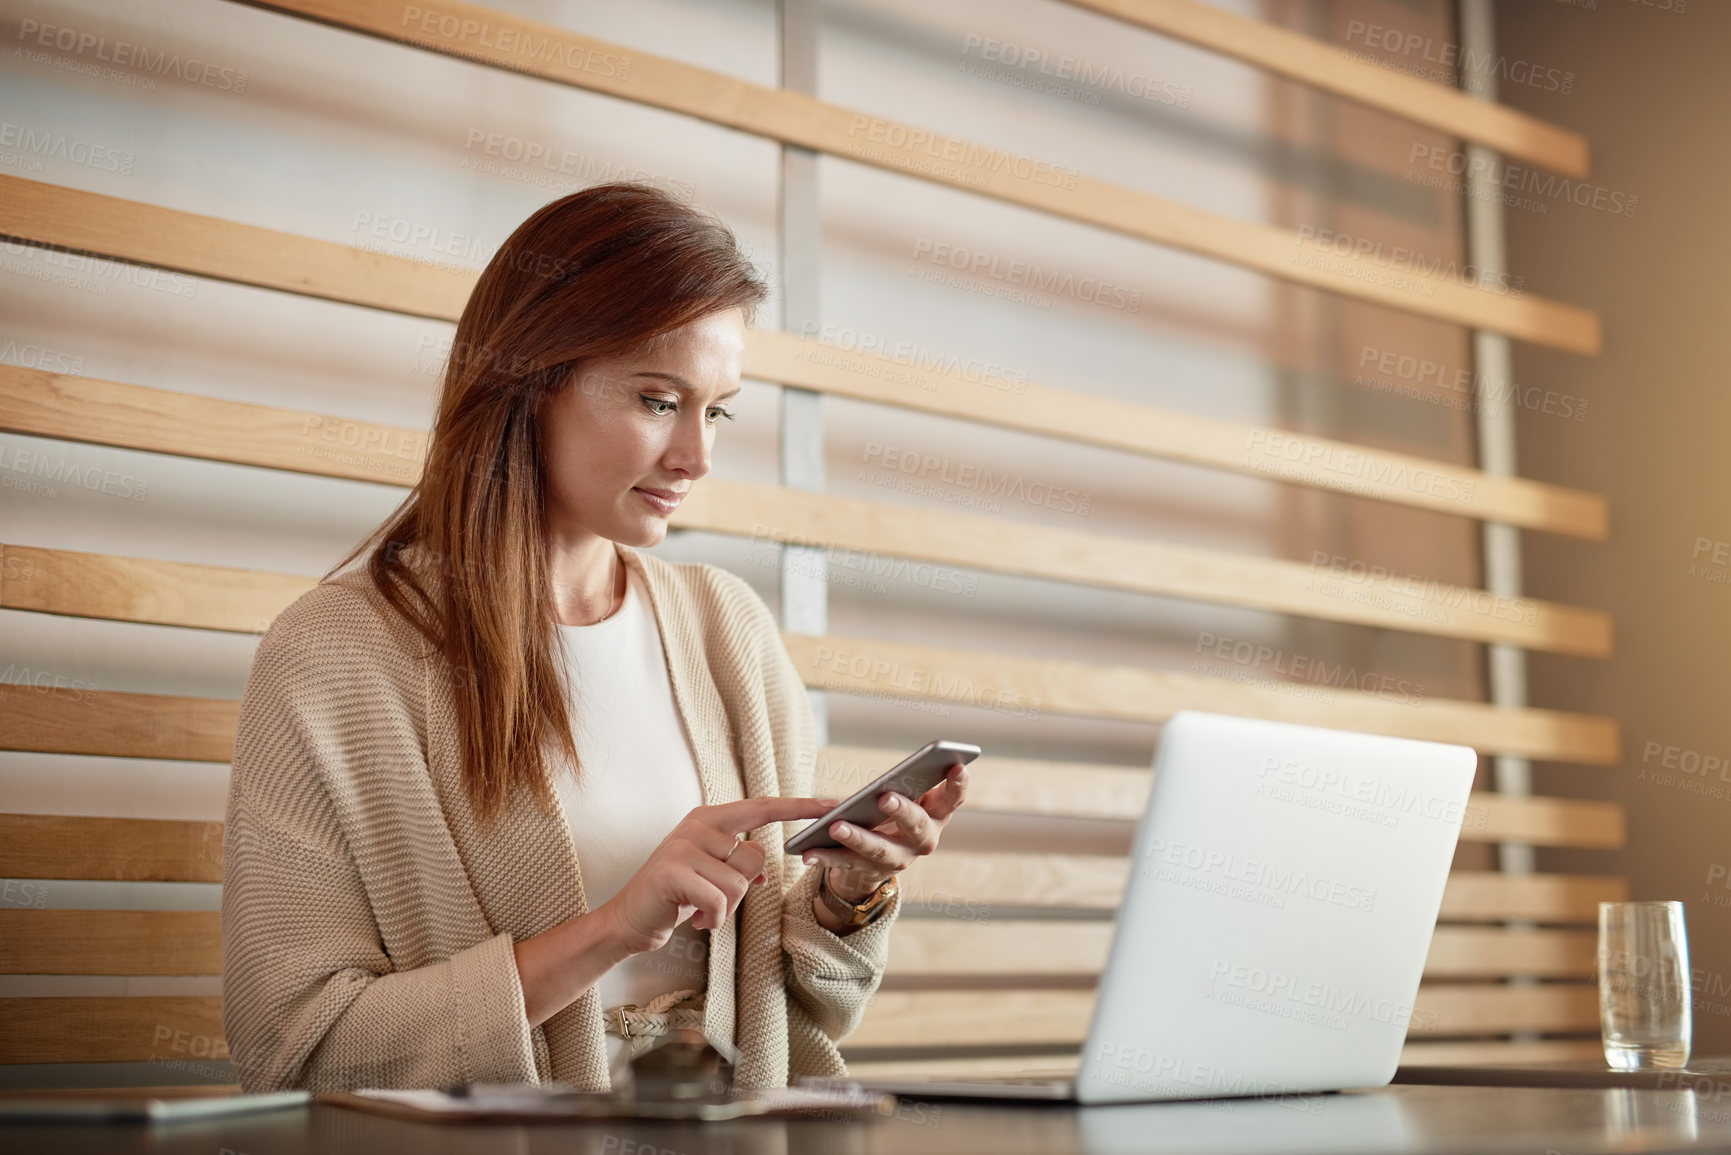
[1395,1119]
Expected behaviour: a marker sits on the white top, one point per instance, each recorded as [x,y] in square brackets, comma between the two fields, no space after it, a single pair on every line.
[637,780]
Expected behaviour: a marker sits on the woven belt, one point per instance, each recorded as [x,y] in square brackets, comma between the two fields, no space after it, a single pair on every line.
[641,1026]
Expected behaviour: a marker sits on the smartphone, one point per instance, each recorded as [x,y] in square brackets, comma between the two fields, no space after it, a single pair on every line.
[911,777]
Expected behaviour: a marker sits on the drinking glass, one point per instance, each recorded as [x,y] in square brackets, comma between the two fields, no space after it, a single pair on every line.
[1644,996]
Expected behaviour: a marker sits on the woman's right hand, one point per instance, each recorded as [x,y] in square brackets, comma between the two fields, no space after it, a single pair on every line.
[691,874]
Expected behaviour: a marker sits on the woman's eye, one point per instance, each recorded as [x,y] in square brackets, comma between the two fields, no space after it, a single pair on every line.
[657,405]
[720,411]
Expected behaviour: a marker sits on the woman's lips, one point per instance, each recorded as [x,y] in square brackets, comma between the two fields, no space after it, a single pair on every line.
[662,501]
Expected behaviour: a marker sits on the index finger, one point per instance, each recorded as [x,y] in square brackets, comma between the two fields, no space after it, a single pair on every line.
[750,813]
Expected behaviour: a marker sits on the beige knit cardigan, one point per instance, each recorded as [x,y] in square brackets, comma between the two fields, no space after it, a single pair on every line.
[368,917]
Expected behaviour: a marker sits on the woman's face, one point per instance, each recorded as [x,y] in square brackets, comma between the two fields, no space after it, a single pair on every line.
[627,437]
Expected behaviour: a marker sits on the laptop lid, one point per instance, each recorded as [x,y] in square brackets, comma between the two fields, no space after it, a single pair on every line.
[1282,893]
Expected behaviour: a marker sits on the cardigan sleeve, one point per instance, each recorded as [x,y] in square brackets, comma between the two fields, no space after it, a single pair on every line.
[830,978]
[311,997]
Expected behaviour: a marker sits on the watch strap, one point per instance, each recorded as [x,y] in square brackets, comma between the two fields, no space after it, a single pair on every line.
[862,912]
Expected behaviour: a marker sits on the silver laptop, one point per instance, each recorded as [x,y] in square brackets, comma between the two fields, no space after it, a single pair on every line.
[1282,894]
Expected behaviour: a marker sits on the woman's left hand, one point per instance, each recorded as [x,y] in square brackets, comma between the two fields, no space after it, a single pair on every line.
[910,830]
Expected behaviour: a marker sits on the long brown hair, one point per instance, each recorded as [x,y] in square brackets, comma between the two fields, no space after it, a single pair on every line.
[599,273]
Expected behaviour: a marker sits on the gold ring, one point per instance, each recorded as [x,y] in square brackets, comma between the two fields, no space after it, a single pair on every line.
[738,840]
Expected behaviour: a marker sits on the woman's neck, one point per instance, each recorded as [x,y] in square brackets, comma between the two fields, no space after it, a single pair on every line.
[587,579]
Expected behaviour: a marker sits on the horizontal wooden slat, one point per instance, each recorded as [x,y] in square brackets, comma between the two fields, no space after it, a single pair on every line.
[1092,790]
[957,1018]
[136,589]
[797,119]
[117,724]
[112,723]
[44,402]
[110,849]
[112,413]
[1008,785]
[111,1030]
[1545,821]
[1147,567]
[110,942]
[129,942]
[72,1030]
[1480,1052]
[1329,68]
[968,884]
[1463,952]
[971,884]
[974,1019]
[955,948]
[1034,687]
[1024,686]
[100,412]
[1484,1009]
[1321,463]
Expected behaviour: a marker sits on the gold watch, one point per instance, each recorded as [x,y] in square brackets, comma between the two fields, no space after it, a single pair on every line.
[856,914]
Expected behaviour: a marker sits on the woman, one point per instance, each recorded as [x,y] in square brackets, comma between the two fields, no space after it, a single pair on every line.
[507,800]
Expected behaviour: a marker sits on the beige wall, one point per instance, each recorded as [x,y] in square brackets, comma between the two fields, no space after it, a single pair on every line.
[1650,93]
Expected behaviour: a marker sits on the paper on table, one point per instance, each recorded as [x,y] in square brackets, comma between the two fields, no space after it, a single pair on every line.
[528,1101]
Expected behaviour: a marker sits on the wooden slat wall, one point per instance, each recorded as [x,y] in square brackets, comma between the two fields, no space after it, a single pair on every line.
[112,226]
[172,942]
[1326,67]
[968,884]
[96,587]
[967,887]
[112,723]
[115,414]
[797,119]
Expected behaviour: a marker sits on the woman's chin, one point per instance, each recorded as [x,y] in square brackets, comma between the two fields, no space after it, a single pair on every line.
[645,533]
